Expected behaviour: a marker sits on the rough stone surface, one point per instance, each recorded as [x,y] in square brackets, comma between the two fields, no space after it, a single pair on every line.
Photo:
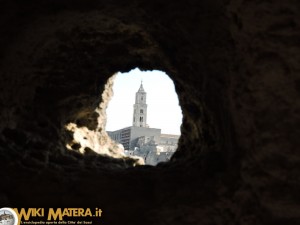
[235,65]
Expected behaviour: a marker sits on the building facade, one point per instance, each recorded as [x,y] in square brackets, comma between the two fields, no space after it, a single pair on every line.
[129,136]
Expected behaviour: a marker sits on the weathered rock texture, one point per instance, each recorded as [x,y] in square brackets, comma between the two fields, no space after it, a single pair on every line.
[235,65]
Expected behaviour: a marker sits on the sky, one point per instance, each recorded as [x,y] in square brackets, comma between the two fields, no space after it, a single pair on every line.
[163,109]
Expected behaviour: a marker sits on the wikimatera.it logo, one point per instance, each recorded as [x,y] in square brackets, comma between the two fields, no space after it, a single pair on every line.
[16,216]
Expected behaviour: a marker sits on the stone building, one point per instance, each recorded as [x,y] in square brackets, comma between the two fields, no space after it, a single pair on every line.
[141,140]
[129,136]
[168,142]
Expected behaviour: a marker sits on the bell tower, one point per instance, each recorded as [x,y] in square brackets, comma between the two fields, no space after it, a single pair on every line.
[140,108]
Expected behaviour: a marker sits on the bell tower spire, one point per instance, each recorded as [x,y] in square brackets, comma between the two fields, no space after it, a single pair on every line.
[140,108]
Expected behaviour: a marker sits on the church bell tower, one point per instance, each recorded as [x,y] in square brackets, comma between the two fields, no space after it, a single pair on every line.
[140,108]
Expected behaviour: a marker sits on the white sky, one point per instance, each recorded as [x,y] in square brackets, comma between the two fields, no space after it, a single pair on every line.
[163,109]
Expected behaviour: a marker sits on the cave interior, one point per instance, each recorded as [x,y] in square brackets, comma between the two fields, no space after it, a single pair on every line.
[235,65]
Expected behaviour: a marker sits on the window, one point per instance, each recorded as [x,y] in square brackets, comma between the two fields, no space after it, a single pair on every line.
[141,119]
[141,111]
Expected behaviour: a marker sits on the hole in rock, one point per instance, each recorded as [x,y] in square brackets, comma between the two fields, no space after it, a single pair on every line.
[144,115]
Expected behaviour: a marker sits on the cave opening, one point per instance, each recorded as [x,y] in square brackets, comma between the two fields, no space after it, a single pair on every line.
[144,115]
[139,118]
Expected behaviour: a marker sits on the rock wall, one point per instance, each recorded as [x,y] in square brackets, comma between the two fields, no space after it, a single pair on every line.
[235,65]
